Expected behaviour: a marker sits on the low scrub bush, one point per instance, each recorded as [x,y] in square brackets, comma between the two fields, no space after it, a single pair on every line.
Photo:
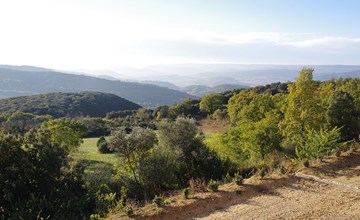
[213,185]
[158,201]
[238,179]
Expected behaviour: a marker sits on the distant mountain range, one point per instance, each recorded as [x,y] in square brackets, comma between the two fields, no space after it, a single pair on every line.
[24,81]
[158,85]
[94,104]
[210,75]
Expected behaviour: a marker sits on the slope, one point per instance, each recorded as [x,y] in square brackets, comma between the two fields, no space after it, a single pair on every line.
[93,104]
[20,83]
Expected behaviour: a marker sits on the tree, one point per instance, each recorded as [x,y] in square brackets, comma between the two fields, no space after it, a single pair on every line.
[133,148]
[262,137]
[302,108]
[103,146]
[237,102]
[342,113]
[211,102]
[36,181]
[180,139]
[64,132]
[187,107]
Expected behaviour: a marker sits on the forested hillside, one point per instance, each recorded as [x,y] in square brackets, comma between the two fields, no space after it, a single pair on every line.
[138,157]
[94,104]
[22,83]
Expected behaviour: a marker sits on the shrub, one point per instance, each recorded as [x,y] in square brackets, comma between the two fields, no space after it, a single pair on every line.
[186,193]
[158,201]
[228,178]
[306,163]
[318,144]
[262,172]
[103,146]
[238,179]
[128,210]
[213,185]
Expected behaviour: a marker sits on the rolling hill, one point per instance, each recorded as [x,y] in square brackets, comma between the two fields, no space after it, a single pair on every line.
[94,104]
[15,83]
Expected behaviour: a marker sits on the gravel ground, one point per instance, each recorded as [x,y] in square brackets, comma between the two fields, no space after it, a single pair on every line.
[303,199]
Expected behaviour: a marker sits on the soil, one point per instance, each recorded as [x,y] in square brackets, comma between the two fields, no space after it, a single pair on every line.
[303,198]
[326,190]
[208,126]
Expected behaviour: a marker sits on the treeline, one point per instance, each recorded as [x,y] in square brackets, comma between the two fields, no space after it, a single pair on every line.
[308,121]
[93,104]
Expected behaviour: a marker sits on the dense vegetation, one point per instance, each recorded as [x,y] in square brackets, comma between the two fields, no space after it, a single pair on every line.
[93,104]
[23,83]
[158,151]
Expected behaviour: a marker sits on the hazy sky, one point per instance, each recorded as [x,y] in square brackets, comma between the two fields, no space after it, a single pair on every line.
[72,34]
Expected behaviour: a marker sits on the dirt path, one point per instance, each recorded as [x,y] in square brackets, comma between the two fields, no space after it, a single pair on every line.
[332,194]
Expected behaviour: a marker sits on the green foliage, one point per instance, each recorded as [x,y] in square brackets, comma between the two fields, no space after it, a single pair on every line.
[238,101]
[19,122]
[211,102]
[238,179]
[158,201]
[103,146]
[262,172]
[306,163]
[273,88]
[35,183]
[95,127]
[64,132]
[133,148]
[94,104]
[128,210]
[318,144]
[179,140]
[186,193]
[105,199]
[157,173]
[213,185]
[342,113]
[187,107]
[302,108]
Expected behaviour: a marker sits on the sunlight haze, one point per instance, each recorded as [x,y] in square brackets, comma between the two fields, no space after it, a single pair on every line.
[107,34]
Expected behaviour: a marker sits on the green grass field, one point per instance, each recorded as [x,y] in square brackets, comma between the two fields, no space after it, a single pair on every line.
[99,167]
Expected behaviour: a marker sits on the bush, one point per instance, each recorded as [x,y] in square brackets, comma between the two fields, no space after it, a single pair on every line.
[306,163]
[103,146]
[262,172]
[186,193]
[228,178]
[158,201]
[213,185]
[238,179]
[128,210]
[318,144]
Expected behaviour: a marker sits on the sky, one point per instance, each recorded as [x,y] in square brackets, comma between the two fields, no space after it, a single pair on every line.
[100,34]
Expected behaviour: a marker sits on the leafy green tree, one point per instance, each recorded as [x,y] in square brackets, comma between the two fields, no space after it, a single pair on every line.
[262,137]
[103,146]
[342,113]
[64,132]
[302,108]
[181,142]
[211,102]
[351,86]
[133,148]
[238,101]
[36,183]
[187,107]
